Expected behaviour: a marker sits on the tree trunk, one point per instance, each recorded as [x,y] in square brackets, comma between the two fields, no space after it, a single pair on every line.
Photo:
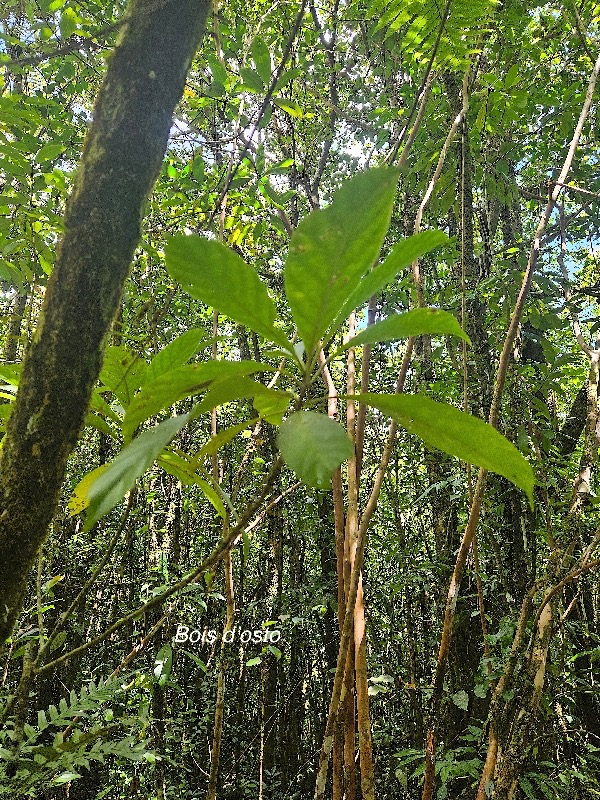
[121,160]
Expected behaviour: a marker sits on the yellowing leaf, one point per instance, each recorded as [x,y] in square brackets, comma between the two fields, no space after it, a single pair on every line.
[80,499]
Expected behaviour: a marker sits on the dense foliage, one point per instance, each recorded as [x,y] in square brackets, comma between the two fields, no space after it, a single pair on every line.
[366,212]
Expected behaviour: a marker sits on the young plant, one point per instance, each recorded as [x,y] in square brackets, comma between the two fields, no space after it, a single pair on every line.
[332,268]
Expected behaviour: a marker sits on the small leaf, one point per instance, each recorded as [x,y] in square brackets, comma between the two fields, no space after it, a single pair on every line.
[313,446]
[163,664]
[79,500]
[195,659]
[176,353]
[461,699]
[262,58]
[226,390]
[217,276]
[252,80]
[10,373]
[66,777]
[457,433]
[58,641]
[254,661]
[170,387]
[412,323]
[272,404]
[512,76]
[117,478]
[122,372]
[52,582]
[68,23]
[331,250]
[289,106]
[49,152]
[100,424]
[214,444]
[382,679]
[186,473]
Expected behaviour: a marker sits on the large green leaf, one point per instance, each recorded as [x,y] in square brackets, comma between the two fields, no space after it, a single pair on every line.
[457,433]
[217,276]
[402,255]
[332,249]
[412,323]
[170,387]
[313,446]
[116,479]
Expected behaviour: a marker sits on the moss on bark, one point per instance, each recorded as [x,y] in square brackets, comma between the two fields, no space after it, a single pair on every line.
[121,159]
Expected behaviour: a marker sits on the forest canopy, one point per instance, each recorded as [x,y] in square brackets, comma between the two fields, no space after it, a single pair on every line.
[299,365]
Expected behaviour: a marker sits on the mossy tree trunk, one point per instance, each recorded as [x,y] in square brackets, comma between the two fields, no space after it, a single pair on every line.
[121,160]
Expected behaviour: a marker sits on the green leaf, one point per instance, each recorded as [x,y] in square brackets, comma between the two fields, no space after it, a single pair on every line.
[170,387]
[79,499]
[176,353]
[11,373]
[457,433]
[100,424]
[289,106]
[49,152]
[332,249]
[252,80]
[313,446]
[262,59]
[195,659]
[186,473]
[68,23]
[286,77]
[214,444]
[403,254]
[412,323]
[512,76]
[253,662]
[122,372]
[117,478]
[272,404]
[461,699]
[217,276]
[163,664]
[226,390]
[65,777]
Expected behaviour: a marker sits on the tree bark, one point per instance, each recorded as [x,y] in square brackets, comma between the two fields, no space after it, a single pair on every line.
[121,159]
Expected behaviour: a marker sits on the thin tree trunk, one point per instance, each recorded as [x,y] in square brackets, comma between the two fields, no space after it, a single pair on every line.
[215,756]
